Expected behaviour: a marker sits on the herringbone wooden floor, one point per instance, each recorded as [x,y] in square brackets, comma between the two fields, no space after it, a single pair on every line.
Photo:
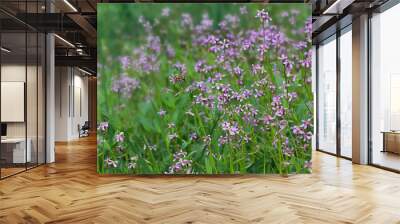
[70,191]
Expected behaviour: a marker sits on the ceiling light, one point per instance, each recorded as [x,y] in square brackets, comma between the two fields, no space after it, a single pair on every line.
[5,50]
[86,72]
[64,40]
[338,6]
[70,5]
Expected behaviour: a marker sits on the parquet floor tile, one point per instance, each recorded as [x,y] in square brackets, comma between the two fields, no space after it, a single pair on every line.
[70,191]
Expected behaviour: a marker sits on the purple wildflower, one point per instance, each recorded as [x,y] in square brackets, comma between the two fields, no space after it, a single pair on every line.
[306,63]
[225,44]
[103,126]
[162,112]
[258,93]
[232,129]
[125,61]
[170,51]
[306,123]
[172,136]
[205,24]
[276,101]
[302,132]
[176,78]
[193,136]
[308,28]
[256,69]
[132,162]
[246,45]
[144,61]
[201,86]
[237,71]
[308,136]
[287,63]
[119,137]
[292,96]
[280,112]
[225,125]
[282,124]
[146,24]
[267,119]
[223,25]
[300,45]
[154,43]
[288,151]
[186,20]
[111,163]
[166,11]
[243,10]
[263,16]
[198,67]
[223,140]
[125,85]
[308,164]
[207,139]
[181,68]
[180,163]
[297,130]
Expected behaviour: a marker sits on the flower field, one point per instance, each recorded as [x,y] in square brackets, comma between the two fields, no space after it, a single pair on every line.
[204,88]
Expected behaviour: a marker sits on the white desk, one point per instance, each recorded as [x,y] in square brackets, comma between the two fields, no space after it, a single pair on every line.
[19,155]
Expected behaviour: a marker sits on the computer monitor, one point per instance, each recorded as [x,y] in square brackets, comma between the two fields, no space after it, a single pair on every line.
[3,129]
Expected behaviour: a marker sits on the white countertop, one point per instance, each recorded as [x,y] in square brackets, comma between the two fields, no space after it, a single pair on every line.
[14,140]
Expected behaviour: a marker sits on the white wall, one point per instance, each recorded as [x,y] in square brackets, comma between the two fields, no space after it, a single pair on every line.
[14,72]
[80,94]
[62,81]
[70,84]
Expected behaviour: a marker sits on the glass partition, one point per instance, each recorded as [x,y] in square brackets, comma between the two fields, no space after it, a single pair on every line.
[41,91]
[22,101]
[31,99]
[346,93]
[327,95]
[13,94]
[385,89]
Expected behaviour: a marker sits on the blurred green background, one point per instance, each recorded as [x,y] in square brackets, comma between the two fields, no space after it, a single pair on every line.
[118,24]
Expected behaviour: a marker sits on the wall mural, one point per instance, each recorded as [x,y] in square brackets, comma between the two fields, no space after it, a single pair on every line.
[204,88]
